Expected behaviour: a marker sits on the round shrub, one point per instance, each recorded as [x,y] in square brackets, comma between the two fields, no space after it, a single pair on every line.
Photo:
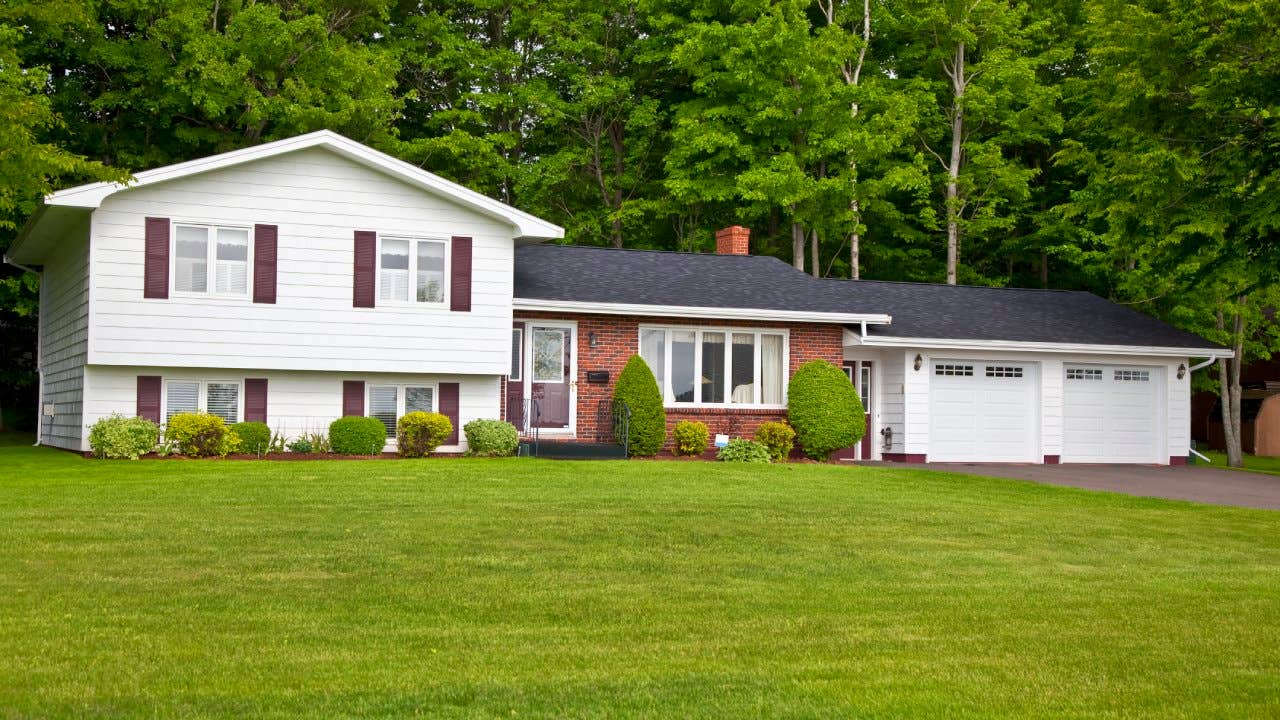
[200,435]
[743,451]
[638,388]
[491,438]
[778,438]
[418,434]
[824,409]
[300,445]
[255,437]
[356,435]
[691,437]
[118,437]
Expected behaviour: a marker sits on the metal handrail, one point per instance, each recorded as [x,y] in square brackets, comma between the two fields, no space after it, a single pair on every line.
[622,425]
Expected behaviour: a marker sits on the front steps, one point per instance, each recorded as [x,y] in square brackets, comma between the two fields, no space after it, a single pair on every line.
[562,450]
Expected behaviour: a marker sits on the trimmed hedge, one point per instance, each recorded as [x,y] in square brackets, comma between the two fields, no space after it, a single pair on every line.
[491,438]
[778,438]
[743,451]
[118,437]
[200,435]
[255,437]
[638,388]
[690,437]
[824,409]
[357,435]
[418,434]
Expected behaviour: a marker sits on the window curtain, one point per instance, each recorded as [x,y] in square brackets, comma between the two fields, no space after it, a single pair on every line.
[771,373]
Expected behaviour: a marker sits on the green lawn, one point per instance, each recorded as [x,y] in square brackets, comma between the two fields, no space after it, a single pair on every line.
[1252,463]
[524,588]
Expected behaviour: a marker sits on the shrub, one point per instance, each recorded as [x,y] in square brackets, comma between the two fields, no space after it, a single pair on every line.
[778,438]
[638,388]
[200,435]
[357,435]
[491,438]
[119,437]
[300,445]
[418,434]
[319,442]
[743,451]
[691,437]
[255,437]
[824,409]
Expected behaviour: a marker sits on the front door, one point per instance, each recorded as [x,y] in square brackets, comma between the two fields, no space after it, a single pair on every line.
[859,373]
[550,376]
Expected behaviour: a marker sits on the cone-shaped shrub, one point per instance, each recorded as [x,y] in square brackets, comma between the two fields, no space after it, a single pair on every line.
[824,409]
[637,387]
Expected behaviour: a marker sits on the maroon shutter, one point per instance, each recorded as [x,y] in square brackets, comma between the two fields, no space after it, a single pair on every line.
[460,275]
[155,274]
[255,400]
[149,397]
[366,254]
[264,264]
[352,397]
[449,408]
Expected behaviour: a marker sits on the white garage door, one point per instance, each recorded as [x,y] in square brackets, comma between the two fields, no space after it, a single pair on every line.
[1111,413]
[983,411]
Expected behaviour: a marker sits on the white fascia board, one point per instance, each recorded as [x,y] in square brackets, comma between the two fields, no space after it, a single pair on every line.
[706,313]
[1021,346]
[92,195]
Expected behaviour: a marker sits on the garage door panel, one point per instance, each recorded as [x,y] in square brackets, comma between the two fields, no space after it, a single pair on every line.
[1111,413]
[983,411]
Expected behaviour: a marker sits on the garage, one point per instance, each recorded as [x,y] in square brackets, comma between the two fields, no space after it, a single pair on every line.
[984,411]
[1111,414]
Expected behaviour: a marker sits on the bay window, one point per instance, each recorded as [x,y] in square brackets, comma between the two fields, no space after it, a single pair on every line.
[411,270]
[211,260]
[716,366]
[389,403]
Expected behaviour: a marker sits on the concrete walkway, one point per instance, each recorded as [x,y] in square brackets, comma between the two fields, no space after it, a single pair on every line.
[1194,482]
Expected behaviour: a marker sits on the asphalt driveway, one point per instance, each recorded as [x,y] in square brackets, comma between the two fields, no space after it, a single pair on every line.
[1193,482]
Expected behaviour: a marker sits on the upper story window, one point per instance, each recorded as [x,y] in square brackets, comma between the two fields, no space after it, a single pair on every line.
[716,366]
[211,260]
[411,270]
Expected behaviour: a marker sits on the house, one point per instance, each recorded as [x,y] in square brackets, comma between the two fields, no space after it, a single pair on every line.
[310,278]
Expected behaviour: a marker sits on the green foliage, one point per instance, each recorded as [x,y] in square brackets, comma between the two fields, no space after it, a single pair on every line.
[357,435]
[418,434]
[117,437]
[741,450]
[491,438]
[690,437]
[824,409]
[300,445]
[200,435]
[778,438]
[255,437]
[637,387]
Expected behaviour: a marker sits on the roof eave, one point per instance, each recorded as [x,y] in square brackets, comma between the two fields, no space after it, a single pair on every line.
[696,312]
[1027,346]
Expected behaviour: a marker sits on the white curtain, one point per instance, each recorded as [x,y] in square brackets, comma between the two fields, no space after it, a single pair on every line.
[653,350]
[771,362]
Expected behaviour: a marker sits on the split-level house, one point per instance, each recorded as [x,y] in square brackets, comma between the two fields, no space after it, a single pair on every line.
[310,278]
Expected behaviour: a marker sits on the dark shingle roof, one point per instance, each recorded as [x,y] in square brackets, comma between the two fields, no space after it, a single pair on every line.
[919,310]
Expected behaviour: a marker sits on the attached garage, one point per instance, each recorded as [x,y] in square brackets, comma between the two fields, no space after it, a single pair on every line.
[1112,414]
[984,411]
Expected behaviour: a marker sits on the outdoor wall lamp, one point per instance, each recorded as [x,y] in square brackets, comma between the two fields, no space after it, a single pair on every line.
[919,361]
[591,341]
[1182,371]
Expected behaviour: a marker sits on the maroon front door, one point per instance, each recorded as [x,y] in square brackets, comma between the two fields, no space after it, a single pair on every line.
[550,375]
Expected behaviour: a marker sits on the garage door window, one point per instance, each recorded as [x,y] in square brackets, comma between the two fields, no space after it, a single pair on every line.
[1003,371]
[1084,374]
[1133,375]
[953,370]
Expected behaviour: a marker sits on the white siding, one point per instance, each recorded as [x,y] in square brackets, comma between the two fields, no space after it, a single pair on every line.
[915,403]
[892,398]
[317,199]
[297,402]
[1179,408]
[64,333]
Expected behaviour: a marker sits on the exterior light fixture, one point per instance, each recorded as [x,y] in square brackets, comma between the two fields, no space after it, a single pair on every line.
[1182,371]
[591,340]
[919,361]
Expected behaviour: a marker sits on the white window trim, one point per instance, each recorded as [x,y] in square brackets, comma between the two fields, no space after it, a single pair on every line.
[413,301]
[668,398]
[211,258]
[401,395]
[202,395]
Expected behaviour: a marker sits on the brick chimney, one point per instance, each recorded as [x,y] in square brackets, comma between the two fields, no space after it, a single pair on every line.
[733,240]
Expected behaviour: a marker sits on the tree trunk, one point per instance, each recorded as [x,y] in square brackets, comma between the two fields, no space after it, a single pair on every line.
[855,240]
[797,245]
[1229,391]
[619,167]
[958,83]
[813,253]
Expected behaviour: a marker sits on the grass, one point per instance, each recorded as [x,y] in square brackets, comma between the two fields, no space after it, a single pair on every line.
[1252,463]
[525,588]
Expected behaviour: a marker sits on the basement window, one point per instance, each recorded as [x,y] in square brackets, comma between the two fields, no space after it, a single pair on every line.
[389,403]
[193,396]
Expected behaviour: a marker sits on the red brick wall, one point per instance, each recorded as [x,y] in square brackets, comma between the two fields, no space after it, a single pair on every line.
[618,338]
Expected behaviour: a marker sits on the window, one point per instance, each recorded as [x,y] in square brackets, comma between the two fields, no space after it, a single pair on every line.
[1084,374]
[389,403]
[549,346]
[716,366]
[216,398]
[517,335]
[211,260]
[1004,371]
[411,270]
[1132,375]
[864,386]
[953,370]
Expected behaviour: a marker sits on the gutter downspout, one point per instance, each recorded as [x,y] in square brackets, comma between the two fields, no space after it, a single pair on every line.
[39,360]
[1199,366]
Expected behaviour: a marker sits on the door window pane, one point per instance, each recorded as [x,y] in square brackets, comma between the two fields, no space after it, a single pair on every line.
[682,369]
[231,271]
[382,405]
[653,348]
[191,259]
[419,399]
[181,397]
[516,355]
[394,270]
[864,386]
[771,369]
[712,379]
[430,282]
[548,355]
[224,401]
[743,369]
